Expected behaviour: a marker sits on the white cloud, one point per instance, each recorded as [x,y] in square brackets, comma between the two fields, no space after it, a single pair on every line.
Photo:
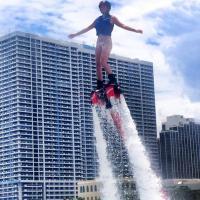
[63,17]
[171,89]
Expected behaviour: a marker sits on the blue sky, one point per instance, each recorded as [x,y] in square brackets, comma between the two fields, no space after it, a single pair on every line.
[171,39]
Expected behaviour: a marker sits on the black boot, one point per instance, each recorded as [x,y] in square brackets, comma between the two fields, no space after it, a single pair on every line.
[112,79]
[100,84]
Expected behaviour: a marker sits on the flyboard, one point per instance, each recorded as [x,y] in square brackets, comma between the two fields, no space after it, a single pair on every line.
[109,97]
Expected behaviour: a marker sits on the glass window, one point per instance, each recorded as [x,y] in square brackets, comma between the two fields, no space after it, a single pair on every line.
[95,188]
[91,188]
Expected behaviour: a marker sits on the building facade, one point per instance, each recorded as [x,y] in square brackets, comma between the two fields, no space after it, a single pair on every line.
[179,148]
[46,126]
[91,190]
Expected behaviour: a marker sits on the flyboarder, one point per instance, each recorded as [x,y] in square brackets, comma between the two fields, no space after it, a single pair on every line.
[104,26]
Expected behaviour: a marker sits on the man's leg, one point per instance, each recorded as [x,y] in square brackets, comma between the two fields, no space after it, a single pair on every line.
[105,53]
[99,67]
[104,61]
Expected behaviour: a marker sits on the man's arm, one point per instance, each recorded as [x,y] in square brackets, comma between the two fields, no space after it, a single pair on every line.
[91,26]
[121,25]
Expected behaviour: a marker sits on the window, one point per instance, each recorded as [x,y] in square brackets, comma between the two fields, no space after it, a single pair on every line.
[95,188]
[91,188]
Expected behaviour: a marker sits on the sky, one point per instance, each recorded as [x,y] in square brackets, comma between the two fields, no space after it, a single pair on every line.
[171,40]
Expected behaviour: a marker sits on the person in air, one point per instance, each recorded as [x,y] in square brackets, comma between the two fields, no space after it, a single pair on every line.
[104,26]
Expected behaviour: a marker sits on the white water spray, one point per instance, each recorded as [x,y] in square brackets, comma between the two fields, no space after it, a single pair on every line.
[109,185]
[148,184]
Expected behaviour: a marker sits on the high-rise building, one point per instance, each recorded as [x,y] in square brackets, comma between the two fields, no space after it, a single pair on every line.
[46,126]
[179,148]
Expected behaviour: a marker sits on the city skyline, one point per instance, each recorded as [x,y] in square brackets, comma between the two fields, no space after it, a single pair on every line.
[170,40]
[46,121]
[179,148]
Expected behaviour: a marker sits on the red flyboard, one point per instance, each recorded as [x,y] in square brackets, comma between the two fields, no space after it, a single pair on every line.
[111,91]
[103,96]
[94,98]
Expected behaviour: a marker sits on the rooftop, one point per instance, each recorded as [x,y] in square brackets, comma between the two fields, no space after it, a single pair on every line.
[85,47]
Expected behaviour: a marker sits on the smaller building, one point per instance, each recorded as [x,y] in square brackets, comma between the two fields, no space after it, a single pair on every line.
[182,189]
[179,148]
[89,190]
